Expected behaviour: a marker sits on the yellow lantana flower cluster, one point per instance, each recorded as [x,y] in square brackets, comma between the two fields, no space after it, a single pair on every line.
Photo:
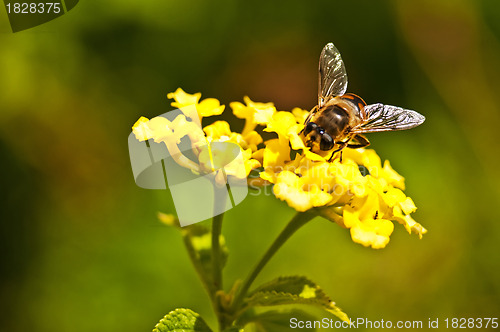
[359,193]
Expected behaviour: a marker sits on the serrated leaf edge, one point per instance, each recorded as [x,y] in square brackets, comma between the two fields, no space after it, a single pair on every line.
[283,278]
[322,299]
[174,314]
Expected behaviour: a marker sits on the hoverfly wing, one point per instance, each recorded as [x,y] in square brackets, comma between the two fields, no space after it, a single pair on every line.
[380,117]
[332,74]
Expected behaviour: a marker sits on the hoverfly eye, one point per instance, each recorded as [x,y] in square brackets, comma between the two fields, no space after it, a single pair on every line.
[321,131]
[310,127]
[326,142]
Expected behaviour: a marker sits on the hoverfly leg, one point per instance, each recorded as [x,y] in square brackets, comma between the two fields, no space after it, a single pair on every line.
[331,157]
[342,146]
[361,142]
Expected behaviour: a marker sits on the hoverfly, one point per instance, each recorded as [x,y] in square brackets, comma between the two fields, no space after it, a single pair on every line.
[340,118]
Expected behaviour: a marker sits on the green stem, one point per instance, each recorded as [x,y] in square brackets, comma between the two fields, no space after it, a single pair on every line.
[216,252]
[219,205]
[297,221]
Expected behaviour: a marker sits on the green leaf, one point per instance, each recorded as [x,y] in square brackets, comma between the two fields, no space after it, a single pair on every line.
[291,284]
[182,320]
[293,290]
[275,320]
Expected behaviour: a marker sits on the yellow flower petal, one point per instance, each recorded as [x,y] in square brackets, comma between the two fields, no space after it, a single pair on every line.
[281,123]
[365,157]
[217,129]
[408,222]
[351,219]
[182,127]
[209,107]
[296,142]
[206,107]
[253,139]
[288,187]
[372,233]
[275,154]
[263,112]
[408,206]
[394,196]
[141,129]
[183,99]
[300,115]
[392,176]
[253,113]
[162,130]
[259,155]
[251,164]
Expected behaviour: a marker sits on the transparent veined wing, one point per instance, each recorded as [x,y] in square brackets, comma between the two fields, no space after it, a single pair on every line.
[380,117]
[332,74]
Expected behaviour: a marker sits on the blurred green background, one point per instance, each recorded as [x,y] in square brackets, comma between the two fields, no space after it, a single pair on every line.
[81,246]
